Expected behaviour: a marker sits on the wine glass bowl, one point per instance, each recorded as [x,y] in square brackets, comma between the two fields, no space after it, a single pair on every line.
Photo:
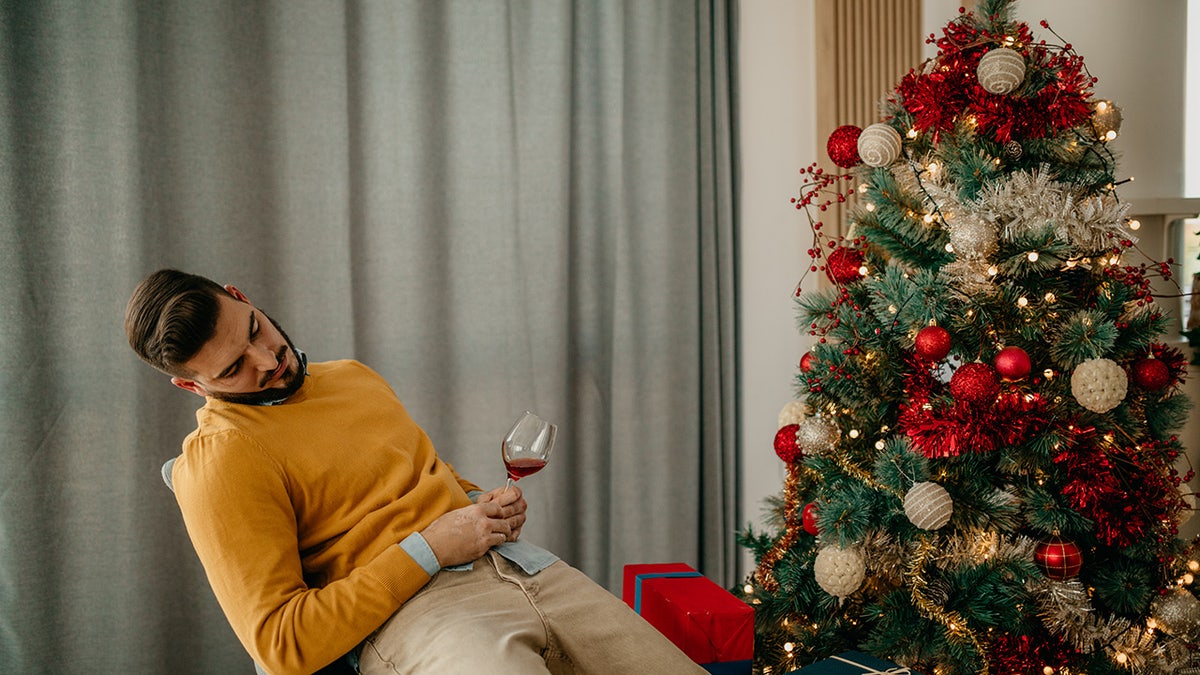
[526,447]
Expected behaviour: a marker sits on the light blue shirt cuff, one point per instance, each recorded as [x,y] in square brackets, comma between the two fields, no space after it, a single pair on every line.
[417,548]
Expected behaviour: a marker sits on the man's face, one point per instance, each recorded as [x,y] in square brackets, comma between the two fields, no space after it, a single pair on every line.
[249,358]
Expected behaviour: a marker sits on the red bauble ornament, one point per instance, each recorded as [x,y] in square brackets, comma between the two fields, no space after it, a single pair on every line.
[786,445]
[1058,558]
[809,518]
[842,265]
[1012,363]
[975,383]
[1151,374]
[933,342]
[806,362]
[843,146]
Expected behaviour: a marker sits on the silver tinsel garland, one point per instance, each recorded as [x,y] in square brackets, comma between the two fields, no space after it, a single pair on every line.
[1026,202]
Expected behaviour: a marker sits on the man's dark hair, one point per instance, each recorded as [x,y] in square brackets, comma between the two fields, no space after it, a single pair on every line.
[170,316]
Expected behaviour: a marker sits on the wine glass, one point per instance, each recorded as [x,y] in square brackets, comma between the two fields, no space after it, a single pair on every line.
[527,446]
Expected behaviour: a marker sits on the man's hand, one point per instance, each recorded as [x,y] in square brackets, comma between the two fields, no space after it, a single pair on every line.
[514,506]
[465,534]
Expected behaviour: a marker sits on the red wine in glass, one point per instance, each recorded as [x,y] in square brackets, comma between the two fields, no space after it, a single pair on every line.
[526,447]
[519,468]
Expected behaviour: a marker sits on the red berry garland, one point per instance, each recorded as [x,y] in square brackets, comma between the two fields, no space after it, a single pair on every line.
[933,343]
[786,445]
[843,146]
[975,383]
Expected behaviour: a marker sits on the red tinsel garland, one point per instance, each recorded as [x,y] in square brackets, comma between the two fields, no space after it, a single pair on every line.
[1125,491]
[939,429]
[1029,653]
[1055,98]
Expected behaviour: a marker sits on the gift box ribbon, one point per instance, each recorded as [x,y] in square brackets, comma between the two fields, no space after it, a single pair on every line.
[898,670]
[637,584]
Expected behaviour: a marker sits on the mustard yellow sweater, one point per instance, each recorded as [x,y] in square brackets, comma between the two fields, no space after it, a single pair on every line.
[296,510]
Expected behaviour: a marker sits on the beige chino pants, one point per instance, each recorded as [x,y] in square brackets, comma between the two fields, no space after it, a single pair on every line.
[497,619]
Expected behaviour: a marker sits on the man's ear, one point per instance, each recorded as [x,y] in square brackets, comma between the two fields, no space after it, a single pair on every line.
[190,385]
[236,293]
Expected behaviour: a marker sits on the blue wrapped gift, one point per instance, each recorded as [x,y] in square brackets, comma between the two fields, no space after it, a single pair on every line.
[854,663]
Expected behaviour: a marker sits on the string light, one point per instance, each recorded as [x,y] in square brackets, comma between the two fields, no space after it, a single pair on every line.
[1022,301]
[854,433]
[1050,297]
[1122,658]
[912,133]
[1032,256]
[1048,374]
[1135,225]
[992,270]
[870,207]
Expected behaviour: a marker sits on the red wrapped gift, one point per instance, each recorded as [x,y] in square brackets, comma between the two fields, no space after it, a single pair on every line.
[704,620]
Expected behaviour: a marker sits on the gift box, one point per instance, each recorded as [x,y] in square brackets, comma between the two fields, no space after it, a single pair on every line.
[854,663]
[710,625]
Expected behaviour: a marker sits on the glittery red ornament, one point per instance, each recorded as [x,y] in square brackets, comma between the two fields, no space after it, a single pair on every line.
[975,383]
[786,445]
[806,362]
[843,146]
[933,342]
[1151,374]
[842,265]
[809,518]
[1012,363]
[1058,558]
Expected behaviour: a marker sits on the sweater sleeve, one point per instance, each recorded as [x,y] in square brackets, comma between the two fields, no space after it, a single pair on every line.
[235,504]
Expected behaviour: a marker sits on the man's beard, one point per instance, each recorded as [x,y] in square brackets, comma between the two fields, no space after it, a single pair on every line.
[292,380]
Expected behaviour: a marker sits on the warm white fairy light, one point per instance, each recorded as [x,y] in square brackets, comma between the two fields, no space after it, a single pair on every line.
[912,133]
[788,647]
[1022,301]
[748,589]
[1050,297]
[1032,256]
[1048,374]
[1194,566]
[1048,670]
[949,248]
[870,207]
[1110,135]
[1135,224]
[1187,579]
[854,433]
[928,218]
[993,270]
[1122,658]
[863,271]
[879,445]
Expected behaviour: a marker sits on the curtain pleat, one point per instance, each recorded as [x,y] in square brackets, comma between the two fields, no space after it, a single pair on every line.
[498,206]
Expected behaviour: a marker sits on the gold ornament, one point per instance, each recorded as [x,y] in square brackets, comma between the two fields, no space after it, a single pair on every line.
[1106,119]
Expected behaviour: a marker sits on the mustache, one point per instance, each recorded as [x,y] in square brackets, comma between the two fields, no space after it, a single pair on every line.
[280,357]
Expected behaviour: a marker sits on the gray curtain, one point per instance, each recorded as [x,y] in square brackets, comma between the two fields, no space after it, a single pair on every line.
[497,205]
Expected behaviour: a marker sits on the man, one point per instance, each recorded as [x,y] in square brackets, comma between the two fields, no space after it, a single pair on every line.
[327,524]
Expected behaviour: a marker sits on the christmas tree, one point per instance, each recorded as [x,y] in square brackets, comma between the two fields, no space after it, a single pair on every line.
[981,471]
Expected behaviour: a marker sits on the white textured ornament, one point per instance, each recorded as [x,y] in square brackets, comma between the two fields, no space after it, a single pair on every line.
[879,145]
[839,571]
[1099,384]
[1001,70]
[817,435]
[793,412]
[928,505]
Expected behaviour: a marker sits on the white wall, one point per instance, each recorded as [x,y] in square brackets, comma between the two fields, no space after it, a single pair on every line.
[1135,48]
[778,126]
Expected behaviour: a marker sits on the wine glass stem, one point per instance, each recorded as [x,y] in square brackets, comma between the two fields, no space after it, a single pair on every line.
[508,484]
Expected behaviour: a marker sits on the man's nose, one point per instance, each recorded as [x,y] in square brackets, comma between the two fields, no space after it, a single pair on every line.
[264,358]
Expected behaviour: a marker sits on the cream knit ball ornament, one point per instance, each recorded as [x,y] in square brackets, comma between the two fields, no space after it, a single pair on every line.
[792,413]
[1001,70]
[928,506]
[1099,384]
[839,571]
[879,145]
